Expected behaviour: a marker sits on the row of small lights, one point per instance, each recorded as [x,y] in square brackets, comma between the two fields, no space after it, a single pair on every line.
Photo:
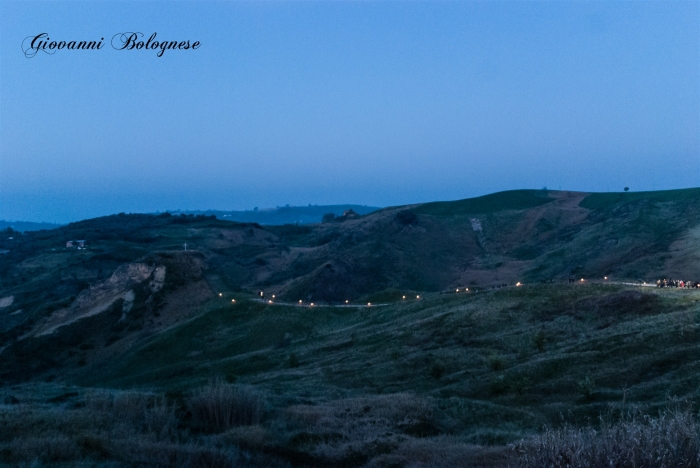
[221,294]
[520,284]
[369,304]
[312,304]
[403,297]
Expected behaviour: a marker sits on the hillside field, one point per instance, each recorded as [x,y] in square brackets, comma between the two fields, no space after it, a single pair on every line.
[135,351]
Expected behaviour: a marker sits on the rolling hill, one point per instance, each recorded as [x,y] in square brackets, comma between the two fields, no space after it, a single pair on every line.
[27,225]
[282,214]
[163,304]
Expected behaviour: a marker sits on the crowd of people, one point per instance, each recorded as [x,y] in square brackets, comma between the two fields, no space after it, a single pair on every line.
[665,283]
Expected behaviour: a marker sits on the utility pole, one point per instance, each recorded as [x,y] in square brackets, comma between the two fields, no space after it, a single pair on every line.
[185,246]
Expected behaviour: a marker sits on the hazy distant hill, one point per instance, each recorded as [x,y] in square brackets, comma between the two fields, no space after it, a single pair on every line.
[284,214]
[268,216]
[27,226]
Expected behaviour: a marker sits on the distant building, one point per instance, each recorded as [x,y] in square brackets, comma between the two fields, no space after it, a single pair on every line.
[79,244]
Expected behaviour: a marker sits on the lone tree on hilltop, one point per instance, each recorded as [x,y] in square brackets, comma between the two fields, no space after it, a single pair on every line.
[627,189]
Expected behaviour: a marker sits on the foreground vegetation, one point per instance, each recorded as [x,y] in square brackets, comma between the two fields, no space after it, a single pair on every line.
[222,426]
[670,440]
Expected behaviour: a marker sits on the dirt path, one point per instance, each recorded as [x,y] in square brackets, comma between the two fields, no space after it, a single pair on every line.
[314,304]
[462,291]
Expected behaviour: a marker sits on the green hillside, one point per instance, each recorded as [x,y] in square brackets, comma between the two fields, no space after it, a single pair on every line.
[495,202]
[523,350]
[161,313]
[597,201]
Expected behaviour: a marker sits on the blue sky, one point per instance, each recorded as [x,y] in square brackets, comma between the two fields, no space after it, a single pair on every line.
[377,103]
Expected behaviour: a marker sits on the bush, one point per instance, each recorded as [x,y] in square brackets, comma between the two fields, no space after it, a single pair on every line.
[586,387]
[539,340]
[293,360]
[406,217]
[496,363]
[671,440]
[521,384]
[437,370]
[219,406]
[498,385]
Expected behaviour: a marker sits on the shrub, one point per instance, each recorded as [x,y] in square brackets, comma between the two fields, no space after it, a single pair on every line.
[498,385]
[10,400]
[521,384]
[293,360]
[406,217]
[539,340]
[495,363]
[436,370]
[586,387]
[219,406]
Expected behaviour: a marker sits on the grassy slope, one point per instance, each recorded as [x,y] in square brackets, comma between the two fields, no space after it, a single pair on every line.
[608,200]
[492,203]
[498,364]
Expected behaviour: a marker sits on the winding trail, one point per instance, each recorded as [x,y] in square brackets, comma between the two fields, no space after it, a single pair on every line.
[313,304]
[461,291]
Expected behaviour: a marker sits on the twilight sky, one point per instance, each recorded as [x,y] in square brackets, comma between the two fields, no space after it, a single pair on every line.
[378,103]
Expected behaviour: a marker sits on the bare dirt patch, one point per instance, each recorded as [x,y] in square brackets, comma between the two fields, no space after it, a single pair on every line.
[6,301]
[98,298]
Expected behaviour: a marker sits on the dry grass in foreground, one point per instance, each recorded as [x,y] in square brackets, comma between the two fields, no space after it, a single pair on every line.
[670,440]
[219,406]
[225,426]
[116,429]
